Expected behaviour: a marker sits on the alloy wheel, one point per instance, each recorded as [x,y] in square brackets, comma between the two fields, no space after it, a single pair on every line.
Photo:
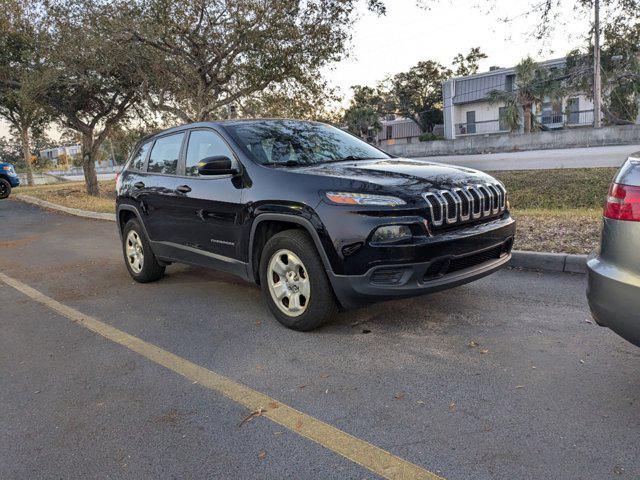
[135,251]
[289,283]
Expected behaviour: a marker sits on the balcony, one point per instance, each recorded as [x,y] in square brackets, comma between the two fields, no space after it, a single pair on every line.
[480,128]
[549,120]
[546,121]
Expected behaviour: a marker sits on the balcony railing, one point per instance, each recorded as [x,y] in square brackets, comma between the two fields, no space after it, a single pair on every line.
[480,128]
[547,120]
[567,119]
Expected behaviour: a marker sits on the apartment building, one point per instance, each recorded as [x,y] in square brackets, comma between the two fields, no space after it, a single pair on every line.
[398,130]
[54,154]
[467,110]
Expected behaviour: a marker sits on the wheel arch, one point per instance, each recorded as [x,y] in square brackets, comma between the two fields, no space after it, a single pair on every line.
[126,213]
[267,224]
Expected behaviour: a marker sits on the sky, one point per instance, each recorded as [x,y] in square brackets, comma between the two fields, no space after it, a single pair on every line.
[407,34]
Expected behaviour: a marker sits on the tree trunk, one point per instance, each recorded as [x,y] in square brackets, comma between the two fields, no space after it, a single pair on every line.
[526,113]
[26,154]
[89,150]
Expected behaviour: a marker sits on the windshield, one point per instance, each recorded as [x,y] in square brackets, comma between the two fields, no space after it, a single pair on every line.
[290,142]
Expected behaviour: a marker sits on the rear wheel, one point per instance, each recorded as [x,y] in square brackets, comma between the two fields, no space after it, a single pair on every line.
[5,188]
[141,263]
[294,282]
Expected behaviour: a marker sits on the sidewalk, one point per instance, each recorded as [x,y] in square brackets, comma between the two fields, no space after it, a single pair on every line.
[590,157]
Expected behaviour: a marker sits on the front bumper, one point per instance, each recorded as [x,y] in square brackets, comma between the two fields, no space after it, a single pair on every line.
[14,180]
[413,279]
[614,298]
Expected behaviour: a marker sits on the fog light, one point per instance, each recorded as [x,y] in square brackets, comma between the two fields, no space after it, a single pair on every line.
[391,233]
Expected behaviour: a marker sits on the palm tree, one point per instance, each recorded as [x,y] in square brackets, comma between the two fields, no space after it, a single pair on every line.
[532,86]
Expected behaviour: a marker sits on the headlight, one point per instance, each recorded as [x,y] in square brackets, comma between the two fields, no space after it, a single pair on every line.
[349,198]
[391,233]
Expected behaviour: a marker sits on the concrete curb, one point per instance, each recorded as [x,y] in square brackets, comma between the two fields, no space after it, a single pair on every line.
[71,211]
[552,262]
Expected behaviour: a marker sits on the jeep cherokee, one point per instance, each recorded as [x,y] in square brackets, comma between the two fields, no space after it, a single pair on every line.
[318,218]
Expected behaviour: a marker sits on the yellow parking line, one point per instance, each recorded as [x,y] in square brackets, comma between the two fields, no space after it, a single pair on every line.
[358,451]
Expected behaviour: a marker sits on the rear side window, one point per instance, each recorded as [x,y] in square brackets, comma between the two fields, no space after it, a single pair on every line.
[137,162]
[164,155]
[203,144]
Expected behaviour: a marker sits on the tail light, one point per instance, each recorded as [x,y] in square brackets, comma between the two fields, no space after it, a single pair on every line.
[623,203]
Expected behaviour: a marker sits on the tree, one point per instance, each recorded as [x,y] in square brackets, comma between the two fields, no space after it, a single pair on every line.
[363,121]
[290,99]
[10,152]
[367,105]
[18,105]
[620,57]
[417,93]
[468,64]
[200,56]
[90,74]
[533,84]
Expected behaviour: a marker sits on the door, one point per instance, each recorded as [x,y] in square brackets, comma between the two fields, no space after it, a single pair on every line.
[471,122]
[573,106]
[210,205]
[160,187]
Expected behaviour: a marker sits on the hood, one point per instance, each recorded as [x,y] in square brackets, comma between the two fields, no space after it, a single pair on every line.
[398,174]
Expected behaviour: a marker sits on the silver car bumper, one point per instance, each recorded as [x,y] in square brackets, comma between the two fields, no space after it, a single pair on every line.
[614,297]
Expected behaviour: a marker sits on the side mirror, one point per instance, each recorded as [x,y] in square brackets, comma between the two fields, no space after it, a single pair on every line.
[219,165]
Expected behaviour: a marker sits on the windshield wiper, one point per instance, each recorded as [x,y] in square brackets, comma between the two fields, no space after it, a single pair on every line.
[350,158]
[288,163]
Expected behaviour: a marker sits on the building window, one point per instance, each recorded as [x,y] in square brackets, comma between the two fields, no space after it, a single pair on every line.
[502,124]
[509,82]
[551,113]
[389,131]
[573,108]
[471,121]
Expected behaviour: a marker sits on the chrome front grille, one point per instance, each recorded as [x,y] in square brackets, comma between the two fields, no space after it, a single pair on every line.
[465,204]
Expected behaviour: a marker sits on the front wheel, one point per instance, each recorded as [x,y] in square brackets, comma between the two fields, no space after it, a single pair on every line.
[140,260]
[294,282]
[5,188]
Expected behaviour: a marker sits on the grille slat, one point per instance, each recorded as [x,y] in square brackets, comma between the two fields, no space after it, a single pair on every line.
[443,267]
[461,205]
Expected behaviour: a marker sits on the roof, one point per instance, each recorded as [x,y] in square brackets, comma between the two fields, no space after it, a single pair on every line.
[507,70]
[235,121]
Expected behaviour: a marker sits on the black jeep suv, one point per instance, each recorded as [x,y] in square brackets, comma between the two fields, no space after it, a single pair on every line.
[317,217]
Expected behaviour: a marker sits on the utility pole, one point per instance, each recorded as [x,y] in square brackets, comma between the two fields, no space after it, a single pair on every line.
[597,83]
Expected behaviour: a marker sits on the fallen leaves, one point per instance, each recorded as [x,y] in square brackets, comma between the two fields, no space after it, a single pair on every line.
[475,344]
[251,416]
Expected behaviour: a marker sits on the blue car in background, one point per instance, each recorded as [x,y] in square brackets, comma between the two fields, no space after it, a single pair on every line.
[8,179]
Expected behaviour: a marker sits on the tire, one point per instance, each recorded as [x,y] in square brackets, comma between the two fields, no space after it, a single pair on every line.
[5,188]
[302,276]
[141,263]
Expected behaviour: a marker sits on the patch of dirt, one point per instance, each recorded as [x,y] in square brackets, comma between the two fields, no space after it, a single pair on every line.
[19,242]
[560,233]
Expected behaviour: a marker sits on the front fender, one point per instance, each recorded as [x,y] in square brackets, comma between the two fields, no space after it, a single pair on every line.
[299,215]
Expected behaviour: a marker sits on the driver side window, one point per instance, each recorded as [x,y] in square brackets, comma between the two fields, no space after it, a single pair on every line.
[203,144]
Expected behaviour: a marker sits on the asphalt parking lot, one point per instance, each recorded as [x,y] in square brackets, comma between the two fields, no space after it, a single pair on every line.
[505,378]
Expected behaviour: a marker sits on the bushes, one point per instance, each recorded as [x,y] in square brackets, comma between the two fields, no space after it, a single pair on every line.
[429,137]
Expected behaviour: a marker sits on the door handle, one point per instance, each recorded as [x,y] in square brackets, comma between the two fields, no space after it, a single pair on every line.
[184,189]
[138,185]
